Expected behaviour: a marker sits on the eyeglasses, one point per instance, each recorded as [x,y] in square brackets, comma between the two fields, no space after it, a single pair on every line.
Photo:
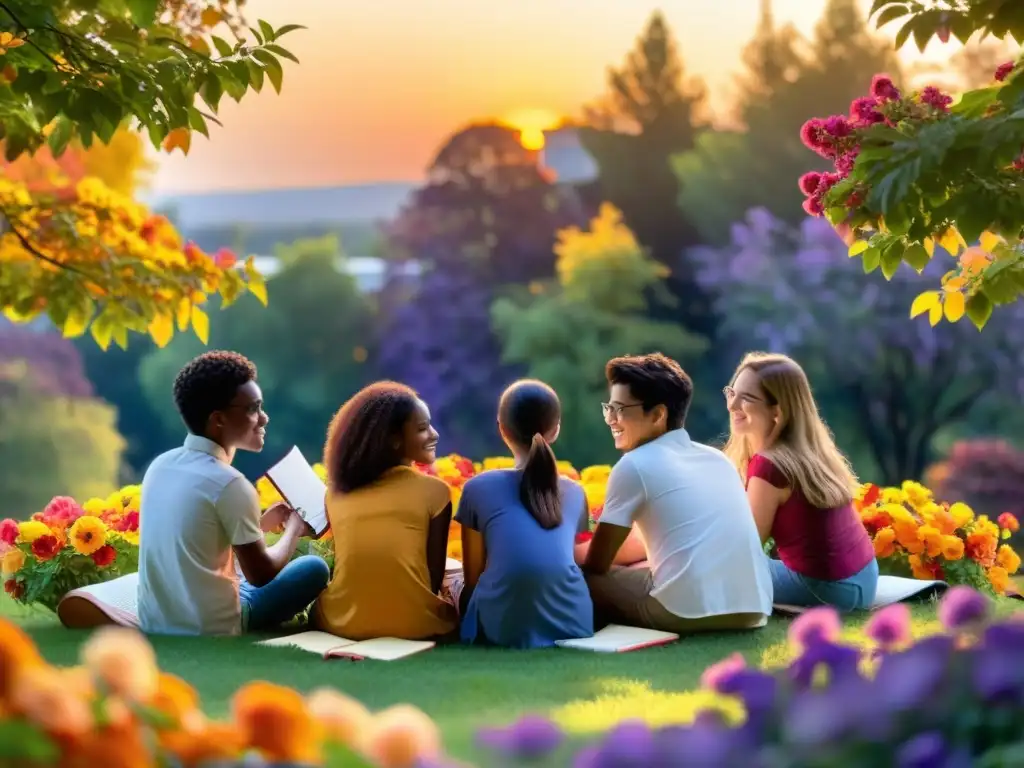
[251,409]
[746,397]
[610,409]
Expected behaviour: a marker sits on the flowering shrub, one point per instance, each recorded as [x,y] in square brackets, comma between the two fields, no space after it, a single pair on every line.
[118,710]
[910,171]
[954,699]
[67,546]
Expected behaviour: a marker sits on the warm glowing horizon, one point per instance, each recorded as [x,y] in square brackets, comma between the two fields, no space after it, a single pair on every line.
[380,87]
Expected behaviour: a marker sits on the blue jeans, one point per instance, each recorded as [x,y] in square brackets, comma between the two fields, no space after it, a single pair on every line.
[855,593]
[289,593]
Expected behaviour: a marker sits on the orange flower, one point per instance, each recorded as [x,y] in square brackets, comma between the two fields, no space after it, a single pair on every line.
[1008,521]
[952,547]
[174,697]
[906,535]
[205,743]
[124,661]
[1007,558]
[931,538]
[885,543]
[115,746]
[344,718]
[43,694]
[274,720]
[922,569]
[981,548]
[17,652]
[999,579]
[944,521]
[402,737]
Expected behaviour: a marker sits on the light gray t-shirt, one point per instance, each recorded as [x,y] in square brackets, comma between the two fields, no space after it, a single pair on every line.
[691,509]
[195,507]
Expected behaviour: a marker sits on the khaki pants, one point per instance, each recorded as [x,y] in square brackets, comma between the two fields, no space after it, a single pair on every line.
[623,596]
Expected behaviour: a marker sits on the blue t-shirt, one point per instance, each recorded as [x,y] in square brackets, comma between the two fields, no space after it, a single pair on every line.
[531,592]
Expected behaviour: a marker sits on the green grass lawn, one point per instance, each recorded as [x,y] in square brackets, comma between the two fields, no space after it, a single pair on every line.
[464,688]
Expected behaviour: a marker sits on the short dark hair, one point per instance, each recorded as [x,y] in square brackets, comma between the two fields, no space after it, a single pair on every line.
[654,380]
[209,383]
[359,446]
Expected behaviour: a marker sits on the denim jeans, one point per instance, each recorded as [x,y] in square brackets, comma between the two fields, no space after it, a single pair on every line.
[855,593]
[289,593]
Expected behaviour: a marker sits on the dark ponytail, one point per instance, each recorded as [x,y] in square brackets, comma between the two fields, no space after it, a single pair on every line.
[528,410]
[538,489]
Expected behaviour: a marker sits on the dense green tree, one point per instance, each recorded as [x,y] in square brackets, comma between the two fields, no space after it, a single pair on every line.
[650,113]
[311,346]
[564,332]
[785,81]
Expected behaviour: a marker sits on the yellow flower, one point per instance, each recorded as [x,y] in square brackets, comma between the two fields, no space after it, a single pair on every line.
[899,513]
[985,526]
[12,561]
[597,473]
[88,534]
[932,540]
[95,507]
[123,661]
[30,530]
[952,547]
[498,462]
[893,496]
[1007,558]
[962,514]
[999,579]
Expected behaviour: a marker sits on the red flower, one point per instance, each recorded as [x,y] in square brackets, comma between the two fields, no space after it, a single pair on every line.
[873,494]
[809,182]
[936,98]
[865,110]
[225,258]
[582,537]
[8,531]
[104,556]
[1008,521]
[14,588]
[1003,71]
[46,548]
[883,88]
[129,522]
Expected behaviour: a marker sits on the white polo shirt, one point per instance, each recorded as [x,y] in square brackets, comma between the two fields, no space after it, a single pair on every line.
[195,506]
[691,509]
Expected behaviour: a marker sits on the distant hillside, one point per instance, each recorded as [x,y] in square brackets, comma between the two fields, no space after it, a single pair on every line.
[269,207]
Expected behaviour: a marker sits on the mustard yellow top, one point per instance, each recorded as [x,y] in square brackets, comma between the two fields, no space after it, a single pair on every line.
[381,584]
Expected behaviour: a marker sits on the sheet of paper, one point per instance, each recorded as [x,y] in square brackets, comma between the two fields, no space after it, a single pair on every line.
[314,642]
[296,481]
[385,648]
[121,594]
[616,638]
[896,589]
[452,565]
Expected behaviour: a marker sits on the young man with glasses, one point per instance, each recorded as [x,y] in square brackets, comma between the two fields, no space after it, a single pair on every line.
[198,514]
[707,570]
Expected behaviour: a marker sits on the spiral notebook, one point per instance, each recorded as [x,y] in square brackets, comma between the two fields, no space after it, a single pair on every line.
[301,487]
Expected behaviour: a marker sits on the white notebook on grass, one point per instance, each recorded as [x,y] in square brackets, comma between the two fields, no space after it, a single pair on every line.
[299,485]
[333,647]
[616,638]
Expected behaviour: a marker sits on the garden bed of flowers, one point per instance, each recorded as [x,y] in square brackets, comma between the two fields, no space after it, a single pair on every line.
[69,545]
[953,699]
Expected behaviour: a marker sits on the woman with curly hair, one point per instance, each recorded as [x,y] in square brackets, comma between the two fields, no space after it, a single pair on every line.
[390,521]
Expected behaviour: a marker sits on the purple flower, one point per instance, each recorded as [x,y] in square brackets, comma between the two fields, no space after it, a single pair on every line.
[890,626]
[929,750]
[529,738]
[722,670]
[817,625]
[703,744]
[842,662]
[757,689]
[910,678]
[962,607]
[630,743]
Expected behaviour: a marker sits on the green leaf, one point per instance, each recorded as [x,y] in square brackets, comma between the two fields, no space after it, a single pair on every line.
[898,220]
[973,219]
[904,33]
[281,32]
[223,47]
[891,259]
[878,5]
[268,31]
[975,103]
[63,130]
[143,12]
[256,34]
[871,259]
[979,309]
[282,52]
[917,257]
[272,67]
[102,329]
[255,75]
[197,122]
[890,13]
[212,91]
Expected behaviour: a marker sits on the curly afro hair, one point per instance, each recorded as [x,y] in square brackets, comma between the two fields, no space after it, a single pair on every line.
[209,383]
[654,380]
[360,439]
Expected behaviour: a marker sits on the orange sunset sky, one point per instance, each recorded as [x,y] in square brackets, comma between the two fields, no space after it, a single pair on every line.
[383,83]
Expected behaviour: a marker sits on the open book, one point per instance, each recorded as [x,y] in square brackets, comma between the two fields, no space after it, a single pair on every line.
[891,589]
[616,638]
[300,486]
[108,602]
[333,647]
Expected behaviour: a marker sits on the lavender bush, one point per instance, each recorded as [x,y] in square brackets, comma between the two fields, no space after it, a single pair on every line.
[948,701]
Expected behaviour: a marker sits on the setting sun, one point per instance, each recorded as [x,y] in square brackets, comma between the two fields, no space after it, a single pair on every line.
[531,124]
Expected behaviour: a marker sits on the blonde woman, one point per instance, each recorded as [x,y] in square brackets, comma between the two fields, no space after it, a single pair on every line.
[800,487]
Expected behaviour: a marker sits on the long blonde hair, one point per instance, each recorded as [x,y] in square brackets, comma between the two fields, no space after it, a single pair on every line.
[804,450]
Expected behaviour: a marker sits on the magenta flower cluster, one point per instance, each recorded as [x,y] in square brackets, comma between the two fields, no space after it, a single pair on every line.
[837,138]
[948,701]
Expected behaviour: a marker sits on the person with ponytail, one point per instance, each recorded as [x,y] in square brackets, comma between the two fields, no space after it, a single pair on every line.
[523,588]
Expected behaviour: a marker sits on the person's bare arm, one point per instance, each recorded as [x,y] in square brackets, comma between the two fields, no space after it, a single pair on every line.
[605,545]
[474,560]
[624,499]
[765,500]
[632,549]
[437,547]
[260,563]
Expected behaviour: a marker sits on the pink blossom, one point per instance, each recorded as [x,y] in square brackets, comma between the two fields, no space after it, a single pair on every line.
[809,182]
[721,670]
[889,627]
[933,97]
[838,127]
[845,162]
[1003,71]
[817,625]
[813,206]
[813,135]
[9,531]
[865,111]
[883,88]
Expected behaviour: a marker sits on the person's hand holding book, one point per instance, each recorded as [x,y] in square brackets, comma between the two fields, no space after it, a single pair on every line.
[274,519]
